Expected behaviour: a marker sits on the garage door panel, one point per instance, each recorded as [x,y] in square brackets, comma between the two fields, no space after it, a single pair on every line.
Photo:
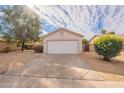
[62,47]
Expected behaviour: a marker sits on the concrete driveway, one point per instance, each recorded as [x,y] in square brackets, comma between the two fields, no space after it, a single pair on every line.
[54,71]
[54,66]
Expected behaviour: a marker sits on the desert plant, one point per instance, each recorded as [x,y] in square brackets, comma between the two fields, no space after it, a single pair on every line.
[108,46]
[7,49]
[38,49]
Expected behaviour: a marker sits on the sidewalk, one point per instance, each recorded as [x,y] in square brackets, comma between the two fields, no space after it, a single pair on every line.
[36,82]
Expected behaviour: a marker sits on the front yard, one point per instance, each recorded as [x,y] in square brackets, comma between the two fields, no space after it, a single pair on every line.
[16,59]
[107,70]
[86,70]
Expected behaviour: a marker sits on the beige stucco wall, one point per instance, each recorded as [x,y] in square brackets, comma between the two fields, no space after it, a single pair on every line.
[91,47]
[13,46]
[63,35]
[122,36]
[2,45]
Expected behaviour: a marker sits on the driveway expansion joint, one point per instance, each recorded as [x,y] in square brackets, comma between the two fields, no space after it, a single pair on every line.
[84,74]
[73,79]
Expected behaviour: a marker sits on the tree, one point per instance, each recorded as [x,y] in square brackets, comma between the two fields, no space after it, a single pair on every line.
[20,23]
[104,31]
[111,33]
[85,41]
[86,45]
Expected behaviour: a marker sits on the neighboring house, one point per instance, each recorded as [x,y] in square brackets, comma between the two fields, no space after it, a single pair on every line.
[63,41]
[91,42]
[122,36]
[3,45]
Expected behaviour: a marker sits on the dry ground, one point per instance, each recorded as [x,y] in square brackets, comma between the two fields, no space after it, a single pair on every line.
[16,59]
[108,70]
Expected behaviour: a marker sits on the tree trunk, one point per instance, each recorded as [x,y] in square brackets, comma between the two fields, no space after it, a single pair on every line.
[107,59]
[23,44]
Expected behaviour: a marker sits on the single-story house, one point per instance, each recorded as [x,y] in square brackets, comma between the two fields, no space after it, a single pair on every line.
[91,42]
[63,41]
[3,45]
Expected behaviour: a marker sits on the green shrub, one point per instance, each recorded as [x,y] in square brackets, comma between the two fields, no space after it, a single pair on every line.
[86,45]
[38,49]
[7,49]
[108,46]
[85,41]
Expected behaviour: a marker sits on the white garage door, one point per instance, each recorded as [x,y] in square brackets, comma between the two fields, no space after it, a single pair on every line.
[62,47]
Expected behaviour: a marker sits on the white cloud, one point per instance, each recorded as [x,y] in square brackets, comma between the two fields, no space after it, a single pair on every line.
[84,18]
[1,14]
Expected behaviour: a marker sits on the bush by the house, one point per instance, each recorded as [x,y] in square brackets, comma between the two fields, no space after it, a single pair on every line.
[85,41]
[108,46]
[38,48]
[7,49]
[86,45]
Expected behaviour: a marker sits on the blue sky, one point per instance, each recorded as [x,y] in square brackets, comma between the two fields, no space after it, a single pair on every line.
[88,20]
